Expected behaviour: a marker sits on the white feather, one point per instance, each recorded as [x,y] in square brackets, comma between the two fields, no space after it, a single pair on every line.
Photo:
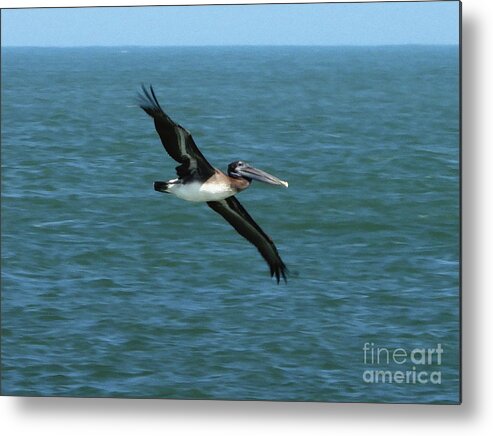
[201,192]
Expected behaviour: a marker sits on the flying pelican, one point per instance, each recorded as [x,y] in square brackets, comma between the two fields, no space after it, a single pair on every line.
[199,181]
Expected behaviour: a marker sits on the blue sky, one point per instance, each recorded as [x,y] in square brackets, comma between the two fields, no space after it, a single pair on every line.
[290,24]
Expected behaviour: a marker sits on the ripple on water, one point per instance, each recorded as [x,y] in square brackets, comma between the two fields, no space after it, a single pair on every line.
[112,289]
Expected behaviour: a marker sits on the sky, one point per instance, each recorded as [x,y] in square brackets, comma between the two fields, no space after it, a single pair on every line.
[285,24]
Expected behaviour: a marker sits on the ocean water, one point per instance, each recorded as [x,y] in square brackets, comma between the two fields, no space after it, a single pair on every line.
[112,289]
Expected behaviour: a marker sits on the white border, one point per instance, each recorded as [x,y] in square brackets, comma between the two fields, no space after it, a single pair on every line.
[68,3]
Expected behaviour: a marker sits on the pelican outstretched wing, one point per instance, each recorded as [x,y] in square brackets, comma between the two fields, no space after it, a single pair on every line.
[177,141]
[233,212]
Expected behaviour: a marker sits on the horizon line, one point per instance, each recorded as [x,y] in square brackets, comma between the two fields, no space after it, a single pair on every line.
[451,44]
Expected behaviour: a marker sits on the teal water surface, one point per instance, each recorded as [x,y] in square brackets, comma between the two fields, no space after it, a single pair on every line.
[112,289]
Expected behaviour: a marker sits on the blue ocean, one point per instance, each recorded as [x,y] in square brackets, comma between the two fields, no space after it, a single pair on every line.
[110,289]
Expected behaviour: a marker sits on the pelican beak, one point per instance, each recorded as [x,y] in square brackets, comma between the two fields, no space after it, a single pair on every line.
[256,174]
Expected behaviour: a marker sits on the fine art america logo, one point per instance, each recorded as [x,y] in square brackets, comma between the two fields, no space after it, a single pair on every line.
[398,365]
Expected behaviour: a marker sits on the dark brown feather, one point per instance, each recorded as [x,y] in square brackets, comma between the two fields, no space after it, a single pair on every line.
[233,212]
[177,141]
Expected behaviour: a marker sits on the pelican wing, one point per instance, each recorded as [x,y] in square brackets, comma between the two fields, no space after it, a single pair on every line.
[177,141]
[235,214]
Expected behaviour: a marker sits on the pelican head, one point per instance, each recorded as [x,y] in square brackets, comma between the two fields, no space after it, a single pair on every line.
[240,169]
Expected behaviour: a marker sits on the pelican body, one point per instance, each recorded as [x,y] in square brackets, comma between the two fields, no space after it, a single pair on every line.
[198,181]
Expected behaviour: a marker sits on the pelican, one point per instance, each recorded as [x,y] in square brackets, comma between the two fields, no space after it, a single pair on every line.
[199,181]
